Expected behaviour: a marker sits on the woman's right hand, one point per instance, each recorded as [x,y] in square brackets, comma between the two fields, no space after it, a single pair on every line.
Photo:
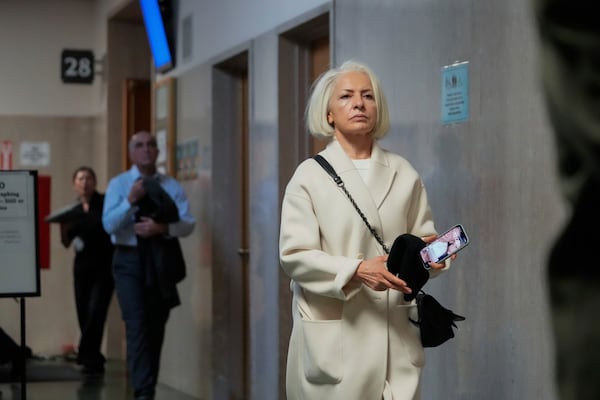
[374,274]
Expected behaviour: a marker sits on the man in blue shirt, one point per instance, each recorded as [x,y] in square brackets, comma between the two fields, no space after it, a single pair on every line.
[145,212]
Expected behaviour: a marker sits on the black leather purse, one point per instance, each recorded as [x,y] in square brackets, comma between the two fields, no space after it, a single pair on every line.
[436,322]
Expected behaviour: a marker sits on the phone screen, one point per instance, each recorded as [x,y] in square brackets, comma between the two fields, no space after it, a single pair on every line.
[445,245]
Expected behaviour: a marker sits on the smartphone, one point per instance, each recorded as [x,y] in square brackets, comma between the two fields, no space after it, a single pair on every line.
[446,244]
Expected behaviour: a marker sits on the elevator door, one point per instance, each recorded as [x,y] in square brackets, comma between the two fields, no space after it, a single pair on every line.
[230,229]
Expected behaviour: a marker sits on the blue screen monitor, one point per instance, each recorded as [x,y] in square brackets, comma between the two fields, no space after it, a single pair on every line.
[159,29]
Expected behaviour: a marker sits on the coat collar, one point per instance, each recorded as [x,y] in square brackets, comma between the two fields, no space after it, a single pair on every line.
[368,198]
[383,176]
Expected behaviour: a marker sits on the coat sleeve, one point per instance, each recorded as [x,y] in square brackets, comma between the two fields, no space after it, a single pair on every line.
[301,253]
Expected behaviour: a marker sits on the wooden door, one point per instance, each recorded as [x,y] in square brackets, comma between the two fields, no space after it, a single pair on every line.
[136,113]
[319,63]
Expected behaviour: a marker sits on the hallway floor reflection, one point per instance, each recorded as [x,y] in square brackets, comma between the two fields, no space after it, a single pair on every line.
[113,386]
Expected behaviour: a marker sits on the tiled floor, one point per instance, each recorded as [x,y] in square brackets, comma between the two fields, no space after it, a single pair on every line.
[114,386]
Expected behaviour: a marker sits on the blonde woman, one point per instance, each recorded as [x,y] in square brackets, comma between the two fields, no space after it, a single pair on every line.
[351,336]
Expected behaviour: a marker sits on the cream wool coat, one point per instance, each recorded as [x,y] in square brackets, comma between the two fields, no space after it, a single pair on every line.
[348,341]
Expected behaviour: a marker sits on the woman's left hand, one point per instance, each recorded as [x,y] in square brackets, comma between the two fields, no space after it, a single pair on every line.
[374,273]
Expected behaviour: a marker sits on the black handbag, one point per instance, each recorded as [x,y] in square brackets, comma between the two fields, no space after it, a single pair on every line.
[405,262]
[435,322]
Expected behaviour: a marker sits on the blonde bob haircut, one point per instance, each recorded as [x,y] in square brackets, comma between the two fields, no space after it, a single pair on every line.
[318,103]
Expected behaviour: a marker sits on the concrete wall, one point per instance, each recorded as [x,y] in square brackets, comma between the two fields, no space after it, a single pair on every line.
[218,26]
[36,106]
[493,173]
[188,342]
[34,33]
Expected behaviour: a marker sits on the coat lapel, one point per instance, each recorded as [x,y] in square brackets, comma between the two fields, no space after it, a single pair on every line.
[382,176]
[370,198]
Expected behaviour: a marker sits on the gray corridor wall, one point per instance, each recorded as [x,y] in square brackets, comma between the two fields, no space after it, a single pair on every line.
[491,173]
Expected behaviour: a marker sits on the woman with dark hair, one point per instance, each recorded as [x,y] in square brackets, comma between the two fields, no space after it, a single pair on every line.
[92,271]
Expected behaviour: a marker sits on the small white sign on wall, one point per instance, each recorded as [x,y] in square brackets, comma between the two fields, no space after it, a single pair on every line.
[35,154]
[161,144]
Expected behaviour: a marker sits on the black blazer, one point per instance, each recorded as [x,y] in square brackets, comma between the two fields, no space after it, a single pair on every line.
[161,255]
[96,256]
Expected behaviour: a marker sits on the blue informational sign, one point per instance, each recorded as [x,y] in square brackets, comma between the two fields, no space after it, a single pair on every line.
[455,93]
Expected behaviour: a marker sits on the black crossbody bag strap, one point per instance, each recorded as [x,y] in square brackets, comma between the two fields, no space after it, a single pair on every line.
[338,181]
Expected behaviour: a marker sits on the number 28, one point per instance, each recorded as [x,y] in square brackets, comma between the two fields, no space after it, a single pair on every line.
[78,67]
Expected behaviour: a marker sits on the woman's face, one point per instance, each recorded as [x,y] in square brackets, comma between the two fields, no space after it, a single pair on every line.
[352,107]
[84,184]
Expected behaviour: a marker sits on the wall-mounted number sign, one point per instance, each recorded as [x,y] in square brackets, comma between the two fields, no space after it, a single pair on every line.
[77,66]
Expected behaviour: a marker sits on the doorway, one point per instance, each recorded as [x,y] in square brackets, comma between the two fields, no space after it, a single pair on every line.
[136,113]
[304,54]
[230,235]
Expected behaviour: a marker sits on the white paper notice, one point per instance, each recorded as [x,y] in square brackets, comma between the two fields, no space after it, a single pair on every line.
[19,272]
[35,154]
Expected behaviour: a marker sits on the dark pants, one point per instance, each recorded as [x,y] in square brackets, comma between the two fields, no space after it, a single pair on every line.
[11,352]
[9,349]
[93,291]
[145,316]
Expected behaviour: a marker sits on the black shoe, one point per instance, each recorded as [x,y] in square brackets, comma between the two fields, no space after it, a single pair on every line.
[92,372]
[144,396]
[16,370]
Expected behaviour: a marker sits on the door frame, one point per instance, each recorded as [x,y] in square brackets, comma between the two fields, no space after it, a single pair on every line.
[137,100]
[296,68]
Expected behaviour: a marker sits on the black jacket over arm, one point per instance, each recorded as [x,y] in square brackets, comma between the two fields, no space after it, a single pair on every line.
[161,255]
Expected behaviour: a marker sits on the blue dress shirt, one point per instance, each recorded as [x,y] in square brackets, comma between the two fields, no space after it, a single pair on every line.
[118,216]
